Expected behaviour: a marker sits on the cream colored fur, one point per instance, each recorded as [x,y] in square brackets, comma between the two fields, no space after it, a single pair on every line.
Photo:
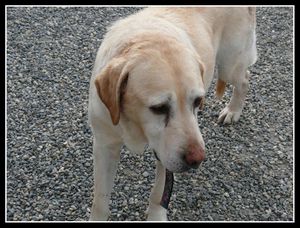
[164,55]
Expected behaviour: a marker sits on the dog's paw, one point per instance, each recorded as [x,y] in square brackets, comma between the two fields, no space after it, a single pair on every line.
[227,116]
[156,213]
[157,217]
[99,213]
[98,218]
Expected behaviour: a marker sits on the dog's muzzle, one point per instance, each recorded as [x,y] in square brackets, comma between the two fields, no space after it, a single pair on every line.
[165,199]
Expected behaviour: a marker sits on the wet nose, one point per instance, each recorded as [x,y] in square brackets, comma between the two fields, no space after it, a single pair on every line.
[194,156]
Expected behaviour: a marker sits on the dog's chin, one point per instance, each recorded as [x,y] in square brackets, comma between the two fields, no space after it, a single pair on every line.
[176,167]
[180,169]
[171,165]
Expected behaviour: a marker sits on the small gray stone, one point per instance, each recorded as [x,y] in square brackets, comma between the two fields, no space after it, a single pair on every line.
[145,174]
[26,157]
[226,194]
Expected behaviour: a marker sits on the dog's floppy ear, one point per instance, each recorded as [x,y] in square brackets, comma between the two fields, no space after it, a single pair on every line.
[111,84]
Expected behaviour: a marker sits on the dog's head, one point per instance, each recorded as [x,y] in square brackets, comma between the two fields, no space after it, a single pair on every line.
[153,89]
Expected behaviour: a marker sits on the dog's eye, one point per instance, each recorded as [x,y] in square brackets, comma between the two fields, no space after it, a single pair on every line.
[160,109]
[197,102]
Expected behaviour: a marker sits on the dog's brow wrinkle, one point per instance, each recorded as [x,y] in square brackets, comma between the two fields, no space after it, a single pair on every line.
[199,93]
[164,99]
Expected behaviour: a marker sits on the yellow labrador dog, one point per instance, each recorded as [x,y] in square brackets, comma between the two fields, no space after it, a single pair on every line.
[151,74]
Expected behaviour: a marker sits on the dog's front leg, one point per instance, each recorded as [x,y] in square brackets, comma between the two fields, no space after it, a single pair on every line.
[155,211]
[106,158]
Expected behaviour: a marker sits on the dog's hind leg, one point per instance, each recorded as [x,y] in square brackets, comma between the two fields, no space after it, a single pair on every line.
[236,53]
[106,158]
[155,211]
[232,69]
[232,112]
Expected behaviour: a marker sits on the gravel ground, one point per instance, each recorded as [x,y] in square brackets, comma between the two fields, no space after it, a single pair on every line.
[248,174]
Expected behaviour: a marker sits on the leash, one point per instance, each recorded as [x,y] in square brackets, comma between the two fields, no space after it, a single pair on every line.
[165,199]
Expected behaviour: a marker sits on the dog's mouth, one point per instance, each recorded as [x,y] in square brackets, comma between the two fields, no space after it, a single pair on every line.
[180,167]
[177,165]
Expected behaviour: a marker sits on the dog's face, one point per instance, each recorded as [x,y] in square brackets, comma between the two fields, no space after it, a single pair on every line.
[154,94]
